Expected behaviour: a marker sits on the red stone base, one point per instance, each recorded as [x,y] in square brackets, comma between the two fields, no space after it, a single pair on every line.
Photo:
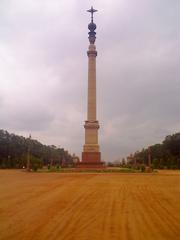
[91,157]
[91,160]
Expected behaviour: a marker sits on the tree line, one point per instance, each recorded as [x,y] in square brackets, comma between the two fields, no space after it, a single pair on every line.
[14,152]
[164,155]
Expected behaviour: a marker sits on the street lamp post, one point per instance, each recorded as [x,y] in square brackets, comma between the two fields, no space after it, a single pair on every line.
[28,154]
[149,157]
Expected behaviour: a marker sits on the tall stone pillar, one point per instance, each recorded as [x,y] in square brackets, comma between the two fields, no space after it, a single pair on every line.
[91,156]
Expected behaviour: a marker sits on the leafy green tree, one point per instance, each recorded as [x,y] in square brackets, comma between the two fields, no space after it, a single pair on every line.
[165,155]
[13,152]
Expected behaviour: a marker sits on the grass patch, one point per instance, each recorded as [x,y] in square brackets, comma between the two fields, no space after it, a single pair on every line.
[79,170]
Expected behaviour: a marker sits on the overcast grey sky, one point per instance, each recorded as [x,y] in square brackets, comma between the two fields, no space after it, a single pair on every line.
[43,71]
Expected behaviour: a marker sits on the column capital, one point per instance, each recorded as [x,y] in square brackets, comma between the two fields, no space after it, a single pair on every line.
[92,53]
[92,50]
[91,125]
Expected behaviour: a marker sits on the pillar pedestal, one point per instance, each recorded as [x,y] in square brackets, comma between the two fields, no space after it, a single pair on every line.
[91,160]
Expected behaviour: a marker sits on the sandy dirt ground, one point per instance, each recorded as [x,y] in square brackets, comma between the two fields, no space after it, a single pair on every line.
[79,206]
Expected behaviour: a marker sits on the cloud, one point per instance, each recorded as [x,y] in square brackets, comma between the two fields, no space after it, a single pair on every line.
[43,71]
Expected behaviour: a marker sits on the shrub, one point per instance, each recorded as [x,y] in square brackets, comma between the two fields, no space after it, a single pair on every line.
[142,168]
[36,163]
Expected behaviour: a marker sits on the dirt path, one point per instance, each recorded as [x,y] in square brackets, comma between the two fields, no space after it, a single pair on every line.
[89,206]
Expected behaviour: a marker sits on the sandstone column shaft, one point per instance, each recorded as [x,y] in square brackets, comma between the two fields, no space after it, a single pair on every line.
[91,113]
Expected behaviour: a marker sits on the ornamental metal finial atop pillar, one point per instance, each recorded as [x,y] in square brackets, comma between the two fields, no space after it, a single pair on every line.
[92,27]
[91,156]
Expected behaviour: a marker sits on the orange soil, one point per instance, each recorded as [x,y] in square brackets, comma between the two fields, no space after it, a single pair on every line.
[79,206]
